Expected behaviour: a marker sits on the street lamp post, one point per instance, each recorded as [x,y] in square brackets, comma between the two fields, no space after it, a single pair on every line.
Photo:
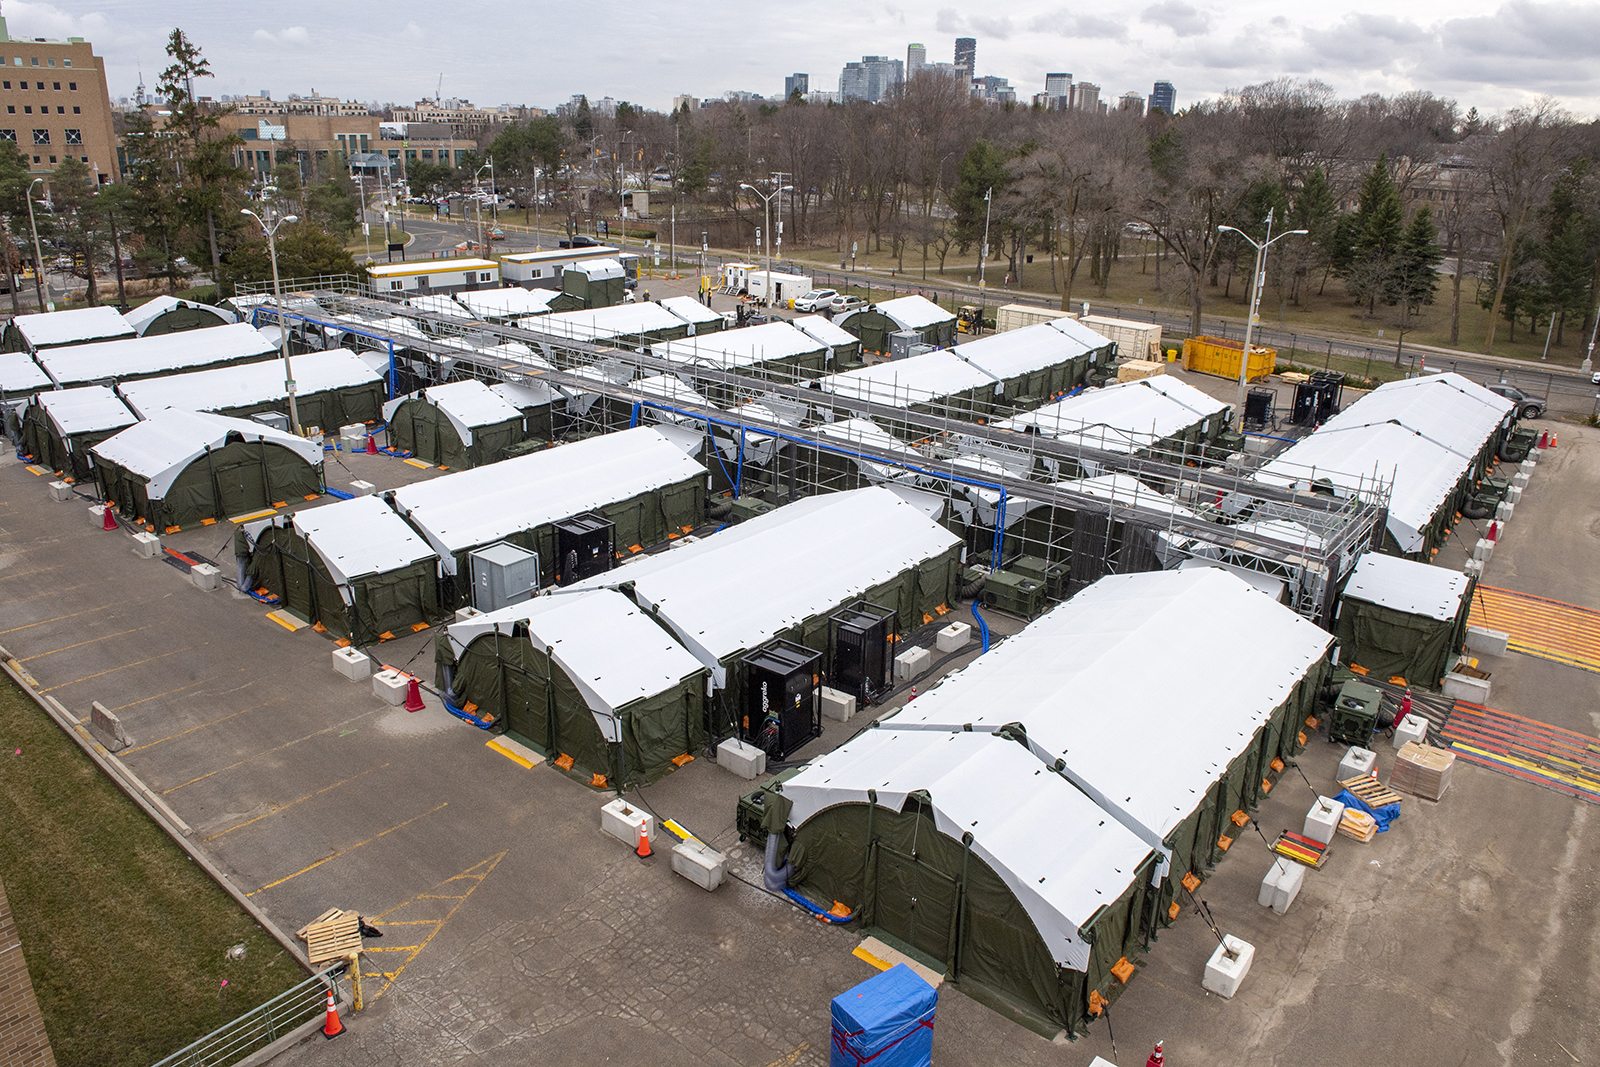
[988,209]
[271,232]
[40,285]
[766,209]
[1255,297]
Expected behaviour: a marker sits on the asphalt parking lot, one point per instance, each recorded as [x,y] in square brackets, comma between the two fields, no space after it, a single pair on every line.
[517,931]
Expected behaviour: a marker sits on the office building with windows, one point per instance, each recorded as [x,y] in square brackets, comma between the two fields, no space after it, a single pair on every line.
[967,54]
[916,58]
[56,104]
[1163,97]
[796,83]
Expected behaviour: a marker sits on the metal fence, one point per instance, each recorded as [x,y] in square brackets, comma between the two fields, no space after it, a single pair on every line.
[261,1026]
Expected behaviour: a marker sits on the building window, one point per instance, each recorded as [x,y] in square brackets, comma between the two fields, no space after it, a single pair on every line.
[36,159]
[27,110]
[363,142]
[8,135]
[36,61]
[41,136]
[52,62]
[84,158]
[57,86]
[395,284]
[39,84]
[77,111]
[59,110]
[486,277]
[538,272]
[11,109]
[5,84]
[66,62]
[71,86]
[74,136]
[52,159]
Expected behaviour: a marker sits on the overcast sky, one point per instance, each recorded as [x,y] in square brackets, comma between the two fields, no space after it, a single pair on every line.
[1489,55]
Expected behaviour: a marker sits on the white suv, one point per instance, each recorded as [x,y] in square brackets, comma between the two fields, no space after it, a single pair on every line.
[815,300]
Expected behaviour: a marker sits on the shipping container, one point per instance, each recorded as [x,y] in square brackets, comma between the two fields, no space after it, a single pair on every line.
[1016,316]
[1219,356]
[1135,340]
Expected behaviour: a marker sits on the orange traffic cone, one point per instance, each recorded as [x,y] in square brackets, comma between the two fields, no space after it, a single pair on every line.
[108,520]
[332,1027]
[1553,436]
[372,445]
[1544,439]
[414,697]
[643,851]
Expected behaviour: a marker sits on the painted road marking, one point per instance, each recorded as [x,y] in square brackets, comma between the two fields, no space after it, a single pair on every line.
[1540,627]
[346,851]
[292,803]
[468,880]
[1561,760]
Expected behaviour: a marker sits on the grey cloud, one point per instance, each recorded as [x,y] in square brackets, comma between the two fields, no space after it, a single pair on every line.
[1180,18]
[948,20]
[1071,24]
[1526,30]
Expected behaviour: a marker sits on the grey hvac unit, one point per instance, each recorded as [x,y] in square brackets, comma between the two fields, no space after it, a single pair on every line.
[502,575]
[273,419]
[903,344]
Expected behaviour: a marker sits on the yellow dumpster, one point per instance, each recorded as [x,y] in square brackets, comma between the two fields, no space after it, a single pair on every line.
[1216,355]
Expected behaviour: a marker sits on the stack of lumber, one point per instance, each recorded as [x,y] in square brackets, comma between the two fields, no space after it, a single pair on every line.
[1422,770]
[1359,825]
[333,935]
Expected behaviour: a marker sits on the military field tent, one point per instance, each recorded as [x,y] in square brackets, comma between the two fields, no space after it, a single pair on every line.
[593,283]
[631,326]
[354,566]
[701,319]
[506,305]
[850,468]
[1401,618]
[178,467]
[964,848]
[332,389]
[875,322]
[20,379]
[586,675]
[784,573]
[60,426]
[1160,417]
[844,347]
[536,400]
[980,379]
[638,479]
[773,351]
[150,357]
[56,329]
[168,314]
[1430,439]
[457,425]
[1163,696]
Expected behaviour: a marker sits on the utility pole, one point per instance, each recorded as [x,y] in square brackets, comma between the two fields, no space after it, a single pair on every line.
[1255,298]
[271,232]
[988,208]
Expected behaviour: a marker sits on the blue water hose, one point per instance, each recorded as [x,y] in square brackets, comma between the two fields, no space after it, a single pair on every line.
[463,716]
[983,627]
[825,916]
[341,494]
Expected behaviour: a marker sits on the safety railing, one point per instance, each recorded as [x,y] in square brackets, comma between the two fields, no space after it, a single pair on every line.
[260,1026]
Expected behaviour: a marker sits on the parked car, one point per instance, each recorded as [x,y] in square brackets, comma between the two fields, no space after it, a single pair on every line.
[815,300]
[841,304]
[1528,407]
[579,241]
[497,234]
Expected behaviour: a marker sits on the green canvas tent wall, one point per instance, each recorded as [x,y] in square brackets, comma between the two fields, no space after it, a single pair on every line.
[844,347]
[60,426]
[332,389]
[585,675]
[1164,697]
[639,479]
[962,848]
[457,425]
[151,357]
[536,400]
[875,322]
[179,467]
[20,379]
[354,566]
[784,573]
[701,319]
[598,283]
[1402,618]
[168,314]
[57,329]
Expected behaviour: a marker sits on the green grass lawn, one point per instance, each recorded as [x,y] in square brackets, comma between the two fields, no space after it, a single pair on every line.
[126,937]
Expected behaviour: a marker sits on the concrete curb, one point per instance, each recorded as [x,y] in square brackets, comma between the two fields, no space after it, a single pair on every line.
[138,792]
[306,1031]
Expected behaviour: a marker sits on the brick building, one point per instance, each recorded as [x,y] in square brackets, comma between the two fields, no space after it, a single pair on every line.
[56,103]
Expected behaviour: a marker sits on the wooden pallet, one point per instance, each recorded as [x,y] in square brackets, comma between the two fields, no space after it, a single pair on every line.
[334,935]
[1372,791]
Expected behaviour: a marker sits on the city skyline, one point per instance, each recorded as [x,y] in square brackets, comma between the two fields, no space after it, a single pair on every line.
[1486,55]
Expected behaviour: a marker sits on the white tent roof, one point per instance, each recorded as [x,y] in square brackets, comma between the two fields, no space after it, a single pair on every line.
[1448,409]
[1060,855]
[1145,685]
[689,309]
[532,393]
[1272,586]
[160,447]
[142,356]
[668,389]
[597,269]
[859,432]
[914,312]
[598,324]
[486,504]
[72,327]
[1022,350]
[1078,331]
[467,404]
[1121,418]
[20,374]
[142,316]
[731,349]
[585,632]
[85,409]
[1128,491]
[248,383]
[735,591]
[360,536]
[1408,586]
[438,304]
[821,329]
[508,302]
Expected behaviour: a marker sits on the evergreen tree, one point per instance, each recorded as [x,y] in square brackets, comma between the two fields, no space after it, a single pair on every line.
[1315,210]
[983,168]
[204,153]
[1565,249]
[583,121]
[1379,225]
[1416,275]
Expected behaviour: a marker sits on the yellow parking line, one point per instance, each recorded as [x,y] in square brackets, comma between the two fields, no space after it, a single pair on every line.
[514,757]
[346,851]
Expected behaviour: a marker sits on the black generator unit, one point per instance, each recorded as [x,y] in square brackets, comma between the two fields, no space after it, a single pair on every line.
[781,711]
[860,644]
[1330,391]
[585,547]
[1258,406]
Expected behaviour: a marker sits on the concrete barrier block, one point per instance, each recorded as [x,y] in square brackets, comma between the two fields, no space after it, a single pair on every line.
[60,492]
[1412,728]
[1520,480]
[352,663]
[1504,511]
[622,821]
[106,726]
[1288,886]
[1227,967]
[1357,763]
[390,685]
[911,664]
[1474,568]
[1483,550]
[836,705]
[747,761]
[1487,642]
[467,614]
[147,545]
[1529,465]
[97,515]
[1513,495]
[1322,820]
[363,488]
[1460,687]
[204,576]
[954,637]
[1257,446]
[700,863]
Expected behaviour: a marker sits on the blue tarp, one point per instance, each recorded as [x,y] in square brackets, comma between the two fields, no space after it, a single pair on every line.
[886,1021]
[1384,814]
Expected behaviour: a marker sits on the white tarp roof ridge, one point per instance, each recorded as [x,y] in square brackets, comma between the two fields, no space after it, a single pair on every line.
[84,410]
[821,328]
[1409,586]
[359,537]
[248,383]
[142,356]
[747,346]
[43,329]
[507,302]
[19,373]
[689,309]
[914,312]
[160,447]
